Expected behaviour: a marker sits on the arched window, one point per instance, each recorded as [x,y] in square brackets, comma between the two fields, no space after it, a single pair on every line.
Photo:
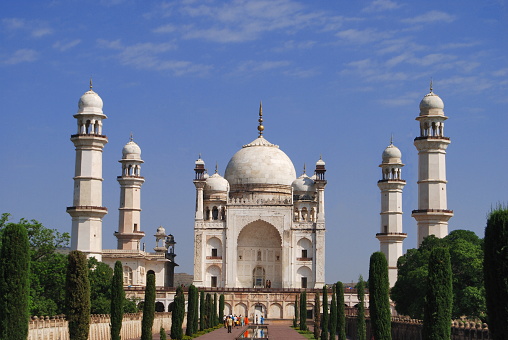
[127,276]
[207,214]
[215,213]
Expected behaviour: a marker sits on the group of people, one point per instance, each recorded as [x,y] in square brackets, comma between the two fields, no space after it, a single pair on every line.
[233,320]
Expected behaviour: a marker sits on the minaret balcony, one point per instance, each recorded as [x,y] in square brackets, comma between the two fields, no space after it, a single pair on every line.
[431,211]
[88,135]
[87,210]
[392,181]
[391,236]
[86,207]
[432,137]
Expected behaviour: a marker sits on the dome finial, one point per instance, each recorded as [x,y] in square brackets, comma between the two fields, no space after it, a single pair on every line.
[131,138]
[91,85]
[199,156]
[260,120]
[431,85]
[391,140]
[304,169]
[216,167]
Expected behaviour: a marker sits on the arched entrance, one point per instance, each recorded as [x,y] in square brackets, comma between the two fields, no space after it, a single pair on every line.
[259,259]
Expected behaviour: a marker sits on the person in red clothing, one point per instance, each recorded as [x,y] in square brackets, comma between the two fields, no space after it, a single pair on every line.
[246,320]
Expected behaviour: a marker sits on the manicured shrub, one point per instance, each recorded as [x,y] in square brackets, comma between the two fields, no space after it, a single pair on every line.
[178,314]
[317,316]
[77,296]
[303,311]
[326,316]
[333,315]
[341,313]
[148,308]
[117,300]
[360,319]
[379,297]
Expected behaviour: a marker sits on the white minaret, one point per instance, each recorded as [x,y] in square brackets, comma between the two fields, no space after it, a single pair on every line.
[319,262]
[129,233]
[87,210]
[432,215]
[391,236]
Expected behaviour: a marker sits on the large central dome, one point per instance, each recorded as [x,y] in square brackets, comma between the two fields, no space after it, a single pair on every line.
[260,162]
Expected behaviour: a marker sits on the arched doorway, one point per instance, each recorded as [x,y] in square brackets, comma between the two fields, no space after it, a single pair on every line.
[259,259]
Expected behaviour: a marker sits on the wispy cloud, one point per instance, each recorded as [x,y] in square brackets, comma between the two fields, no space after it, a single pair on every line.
[64,45]
[35,28]
[381,5]
[150,56]
[21,56]
[257,66]
[364,36]
[295,45]
[431,16]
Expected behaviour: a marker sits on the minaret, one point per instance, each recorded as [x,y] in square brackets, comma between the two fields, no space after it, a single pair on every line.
[432,215]
[129,231]
[199,182]
[319,262]
[87,210]
[391,236]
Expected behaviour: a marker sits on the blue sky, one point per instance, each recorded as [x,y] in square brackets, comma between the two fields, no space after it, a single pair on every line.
[336,78]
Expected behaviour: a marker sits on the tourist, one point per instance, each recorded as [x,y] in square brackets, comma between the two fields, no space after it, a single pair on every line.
[229,322]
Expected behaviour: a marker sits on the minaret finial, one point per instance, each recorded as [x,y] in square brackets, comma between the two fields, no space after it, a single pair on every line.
[391,140]
[91,85]
[216,167]
[199,156]
[431,85]
[260,120]
[304,169]
[131,137]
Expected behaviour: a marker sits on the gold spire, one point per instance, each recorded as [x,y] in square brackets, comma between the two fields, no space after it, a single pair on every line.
[391,140]
[260,120]
[91,85]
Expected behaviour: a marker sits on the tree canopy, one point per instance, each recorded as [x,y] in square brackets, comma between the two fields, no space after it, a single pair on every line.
[466,253]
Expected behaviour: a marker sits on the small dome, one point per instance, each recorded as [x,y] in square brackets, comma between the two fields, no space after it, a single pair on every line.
[431,104]
[392,154]
[216,183]
[303,184]
[260,162]
[199,161]
[320,162]
[160,231]
[90,102]
[131,151]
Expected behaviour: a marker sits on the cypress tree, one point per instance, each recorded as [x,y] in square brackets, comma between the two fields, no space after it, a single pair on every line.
[379,298]
[208,311]
[341,313]
[221,308]
[190,311]
[148,308]
[77,296]
[195,326]
[326,316]
[303,311]
[360,319]
[178,314]
[437,311]
[202,311]
[297,312]
[117,299]
[317,316]
[496,272]
[215,316]
[14,283]
[333,315]
[162,334]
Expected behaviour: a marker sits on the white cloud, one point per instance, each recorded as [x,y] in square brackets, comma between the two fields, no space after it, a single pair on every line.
[64,45]
[35,28]
[40,32]
[165,29]
[381,5]
[430,17]
[501,72]
[256,66]
[21,56]
[363,36]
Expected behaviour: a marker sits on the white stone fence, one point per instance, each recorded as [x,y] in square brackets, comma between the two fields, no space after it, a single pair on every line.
[55,328]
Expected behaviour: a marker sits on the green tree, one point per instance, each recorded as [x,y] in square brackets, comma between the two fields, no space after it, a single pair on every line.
[214,313]
[297,312]
[208,310]
[341,313]
[148,308]
[162,334]
[221,308]
[14,283]
[77,297]
[326,316]
[100,276]
[195,327]
[178,314]
[317,316]
[202,311]
[379,298]
[190,311]
[333,314]
[496,272]
[439,298]
[466,254]
[303,311]
[361,327]
[117,301]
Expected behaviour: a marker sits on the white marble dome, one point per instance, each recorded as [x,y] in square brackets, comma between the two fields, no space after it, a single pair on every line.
[160,231]
[392,154]
[90,102]
[303,184]
[260,162]
[131,151]
[431,104]
[216,183]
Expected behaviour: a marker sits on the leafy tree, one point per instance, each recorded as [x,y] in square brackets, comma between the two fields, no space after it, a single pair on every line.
[148,308]
[77,296]
[208,311]
[117,300]
[190,311]
[195,326]
[317,316]
[341,313]
[439,298]
[379,298]
[202,311]
[178,314]
[496,272]
[326,316]
[214,313]
[297,311]
[100,276]
[360,288]
[333,315]
[14,283]
[466,253]
[303,311]
[221,308]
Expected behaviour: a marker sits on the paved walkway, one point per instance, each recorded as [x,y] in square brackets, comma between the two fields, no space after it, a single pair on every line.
[277,329]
